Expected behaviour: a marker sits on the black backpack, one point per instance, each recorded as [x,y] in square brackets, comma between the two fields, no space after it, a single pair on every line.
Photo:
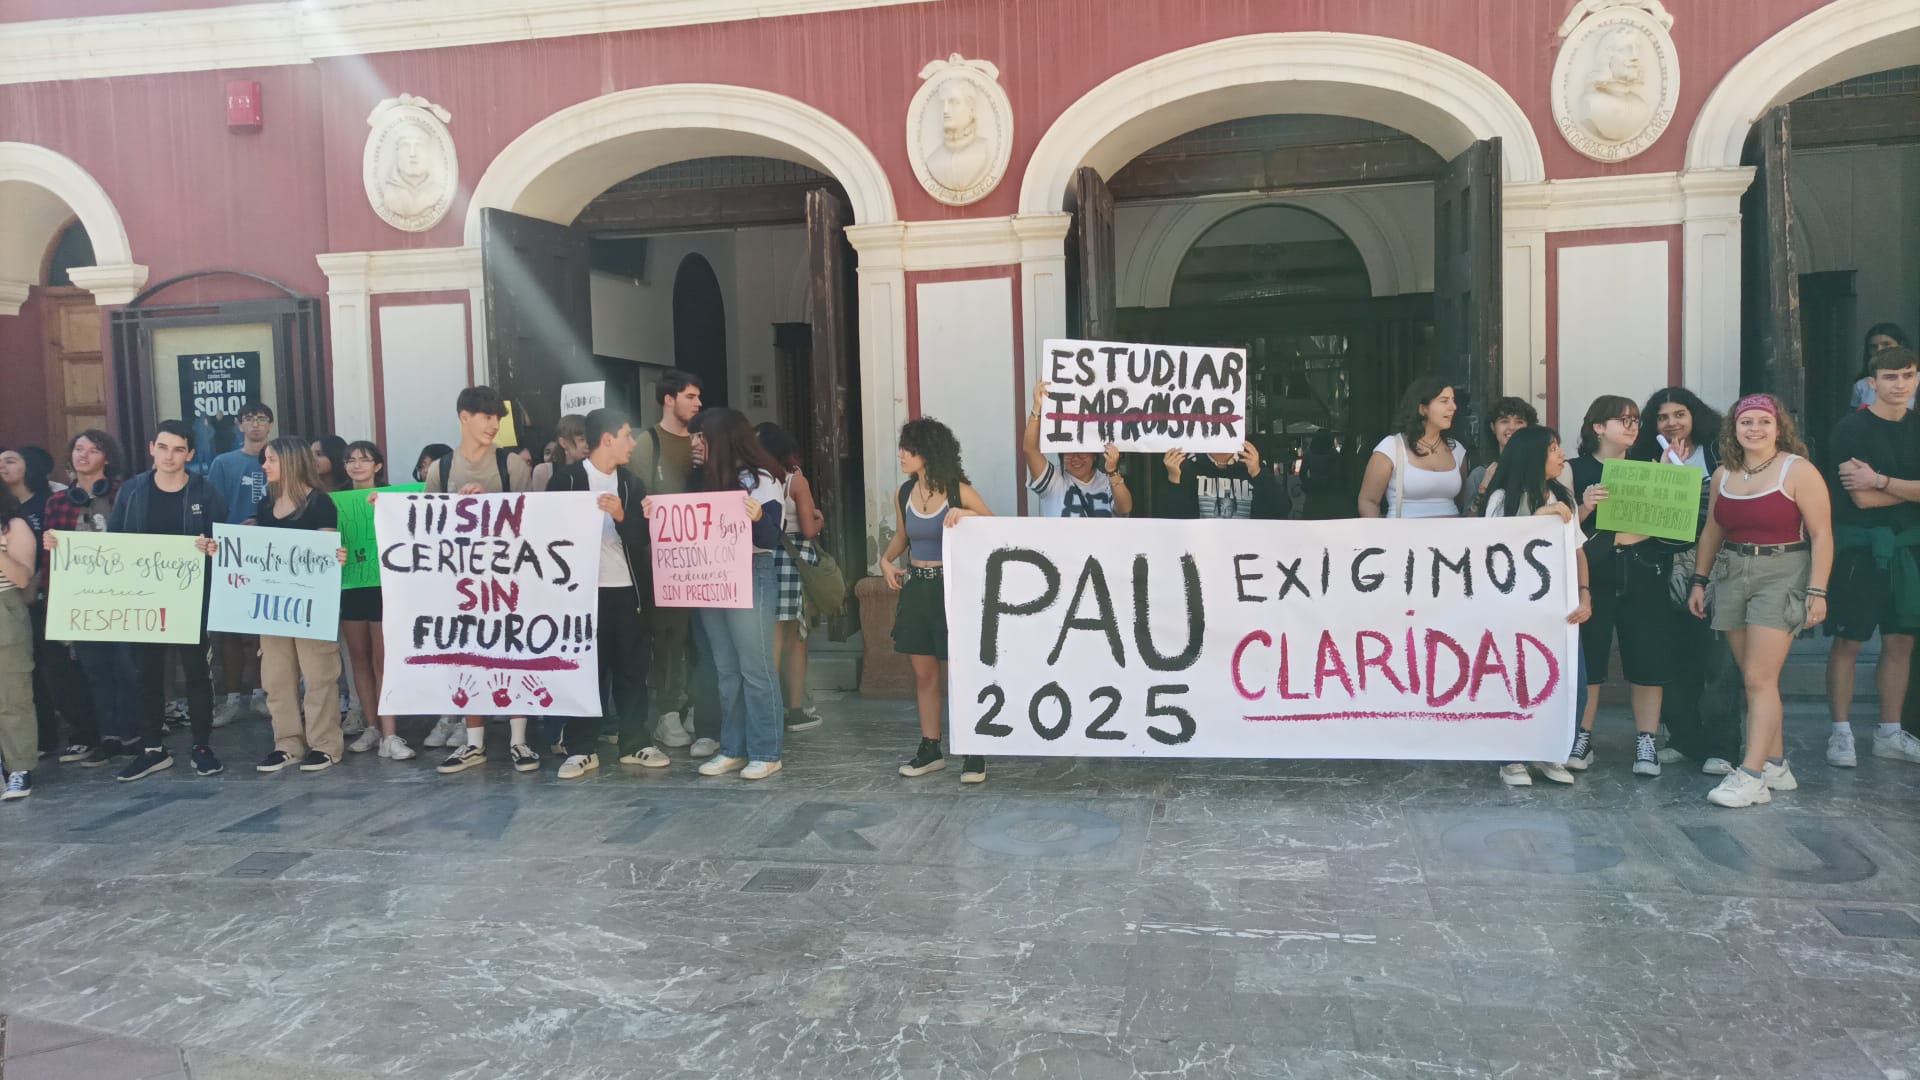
[499,460]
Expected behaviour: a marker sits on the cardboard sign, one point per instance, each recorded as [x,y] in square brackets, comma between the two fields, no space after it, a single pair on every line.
[581,398]
[356,535]
[1147,398]
[125,587]
[1427,640]
[1651,498]
[491,603]
[702,550]
[280,582]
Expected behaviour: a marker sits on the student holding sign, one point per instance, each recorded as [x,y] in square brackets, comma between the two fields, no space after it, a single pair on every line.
[313,741]
[96,465]
[19,724]
[1418,472]
[1076,488]
[1771,529]
[361,612]
[168,500]
[936,499]
[238,477]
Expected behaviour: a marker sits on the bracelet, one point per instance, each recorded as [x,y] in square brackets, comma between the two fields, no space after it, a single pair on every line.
[1814,590]
[1701,579]
[1583,588]
[1034,415]
[1115,476]
[1882,485]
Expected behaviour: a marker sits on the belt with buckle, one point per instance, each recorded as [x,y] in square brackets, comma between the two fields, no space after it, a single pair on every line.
[923,571]
[1769,549]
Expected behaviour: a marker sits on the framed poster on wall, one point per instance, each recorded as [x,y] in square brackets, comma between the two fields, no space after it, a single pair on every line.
[206,374]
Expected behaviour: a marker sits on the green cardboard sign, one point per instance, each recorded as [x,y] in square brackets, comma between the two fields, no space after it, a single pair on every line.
[1651,498]
[125,587]
[356,535]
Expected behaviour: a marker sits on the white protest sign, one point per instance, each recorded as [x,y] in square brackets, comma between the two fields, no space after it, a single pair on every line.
[1146,398]
[702,550]
[280,582]
[491,603]
[1428,640]
[581,398]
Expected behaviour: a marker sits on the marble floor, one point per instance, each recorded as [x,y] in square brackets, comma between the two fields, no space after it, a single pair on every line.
[1071,919]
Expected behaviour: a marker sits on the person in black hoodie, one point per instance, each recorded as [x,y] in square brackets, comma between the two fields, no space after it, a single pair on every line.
[623,623]
[170,500]
[1221,486]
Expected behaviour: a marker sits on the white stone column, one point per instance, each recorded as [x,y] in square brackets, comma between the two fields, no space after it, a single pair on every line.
[1710,275]
[353,279]
[1043,280]
[1523,285]
[882,277]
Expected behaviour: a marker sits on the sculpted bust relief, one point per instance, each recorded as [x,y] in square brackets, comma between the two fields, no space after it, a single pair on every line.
[960,126]
[1616,78]
[410,169]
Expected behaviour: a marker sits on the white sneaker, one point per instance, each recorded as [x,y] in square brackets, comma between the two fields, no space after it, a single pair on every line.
[1900,746]
[1740,788]
[1554,771]
[759,770]
[353,723]
[369,738]
[230,710]
[578,766]
[1716,766]
[259,703]
[716,765]
[1779,777]
[1840,752]
[396,748]
[1514,774]
[704,748]
[670,732]
[649,756]
[444,731]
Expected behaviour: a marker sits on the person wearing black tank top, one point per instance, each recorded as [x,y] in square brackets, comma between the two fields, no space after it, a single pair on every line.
[937,497]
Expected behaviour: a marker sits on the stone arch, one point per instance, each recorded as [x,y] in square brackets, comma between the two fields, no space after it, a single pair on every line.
[41,192]
[554,168]
[1440,100]
[1842,40]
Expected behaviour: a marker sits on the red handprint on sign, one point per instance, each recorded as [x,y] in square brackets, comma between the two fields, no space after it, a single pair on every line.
[463,688]
[540,693]
[502,697]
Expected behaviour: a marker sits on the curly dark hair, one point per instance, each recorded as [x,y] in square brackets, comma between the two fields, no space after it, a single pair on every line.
[1410,420]
[1706,423]
[933,442]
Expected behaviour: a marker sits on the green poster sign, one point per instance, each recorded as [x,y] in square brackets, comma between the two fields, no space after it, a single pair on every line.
[1651,498]
[356,535]
[125,587]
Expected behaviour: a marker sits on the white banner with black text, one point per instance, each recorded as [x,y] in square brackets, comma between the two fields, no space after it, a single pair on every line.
[1424,640]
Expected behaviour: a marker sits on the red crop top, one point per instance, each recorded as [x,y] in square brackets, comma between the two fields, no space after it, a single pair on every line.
[1771,517]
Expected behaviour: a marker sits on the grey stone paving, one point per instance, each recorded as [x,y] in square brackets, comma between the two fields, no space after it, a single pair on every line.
[1071,918]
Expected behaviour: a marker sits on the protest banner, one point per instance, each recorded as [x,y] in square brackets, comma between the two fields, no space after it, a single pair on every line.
[702,550]
[581,398]
[283,582]
[125,587]
[1651,498]
[356,534]
[1427,640]
[1146,398]
[491,603]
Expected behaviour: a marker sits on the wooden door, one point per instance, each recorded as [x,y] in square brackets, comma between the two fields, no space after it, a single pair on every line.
[1090,261]
[833,449]
[1466,282]
[1770,346]
[539,311]
[76,365]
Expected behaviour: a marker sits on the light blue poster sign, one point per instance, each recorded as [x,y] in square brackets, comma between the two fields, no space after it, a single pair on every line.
[280,582]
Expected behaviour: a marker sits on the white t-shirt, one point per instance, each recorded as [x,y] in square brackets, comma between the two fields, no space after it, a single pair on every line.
[614,573]
[1428,494]
[767,492]
[1496,507]
[1063,496]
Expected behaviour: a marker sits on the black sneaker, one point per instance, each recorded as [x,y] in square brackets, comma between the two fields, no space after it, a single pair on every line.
[205,763]
[1646,755]
[523,758]
[927,759]
[274,762]
[78,753]
[973,769]
[801,720]
[463,758]
[19,786]
[150,761]
[317,761]
[1581,755]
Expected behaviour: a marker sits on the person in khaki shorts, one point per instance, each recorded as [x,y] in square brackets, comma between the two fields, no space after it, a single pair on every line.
[312,741]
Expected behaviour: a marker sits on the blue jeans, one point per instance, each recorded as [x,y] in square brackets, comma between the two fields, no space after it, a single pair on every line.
[115,688]
[740,641]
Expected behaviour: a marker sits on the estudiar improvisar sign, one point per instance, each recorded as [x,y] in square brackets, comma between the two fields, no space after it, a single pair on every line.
[1427,640]
[1144,398]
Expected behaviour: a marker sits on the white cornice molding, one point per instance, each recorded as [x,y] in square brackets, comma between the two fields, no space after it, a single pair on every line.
[300,31]
[1622,202]
[110,285]
[454,269]
[13,294]
[958,243]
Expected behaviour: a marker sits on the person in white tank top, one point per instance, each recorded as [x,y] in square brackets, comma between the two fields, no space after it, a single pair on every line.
[1417,472]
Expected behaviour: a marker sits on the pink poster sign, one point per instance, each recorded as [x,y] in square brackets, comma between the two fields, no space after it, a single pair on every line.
[702,550]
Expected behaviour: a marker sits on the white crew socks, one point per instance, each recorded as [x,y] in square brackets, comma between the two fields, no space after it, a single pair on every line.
[477,736]
[1843,726]
[1888,731]
[516,731]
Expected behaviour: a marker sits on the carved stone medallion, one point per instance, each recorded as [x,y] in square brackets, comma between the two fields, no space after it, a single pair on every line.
[960,130]
[409,166]
[1617,77]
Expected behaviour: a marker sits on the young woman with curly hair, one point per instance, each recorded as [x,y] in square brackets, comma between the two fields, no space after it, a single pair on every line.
[936,497]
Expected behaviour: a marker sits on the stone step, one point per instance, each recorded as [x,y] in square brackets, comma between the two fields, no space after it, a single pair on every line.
[833,671]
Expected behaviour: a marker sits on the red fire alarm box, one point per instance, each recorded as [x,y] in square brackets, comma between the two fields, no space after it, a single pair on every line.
[243,106]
